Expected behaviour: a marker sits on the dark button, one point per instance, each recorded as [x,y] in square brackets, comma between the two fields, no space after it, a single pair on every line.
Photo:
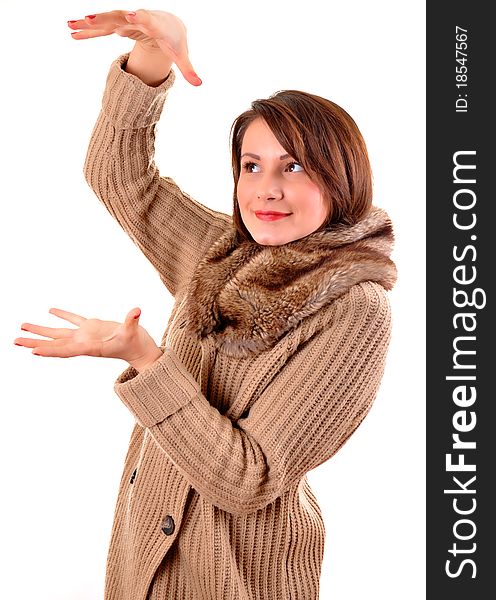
[133,476]
[245,414]
[168,525]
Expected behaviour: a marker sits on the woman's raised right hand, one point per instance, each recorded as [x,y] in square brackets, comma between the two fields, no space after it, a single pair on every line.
[153,30]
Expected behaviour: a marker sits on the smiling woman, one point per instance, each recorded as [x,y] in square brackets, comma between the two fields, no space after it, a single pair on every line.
[276,345]
[313,167]
[278,201]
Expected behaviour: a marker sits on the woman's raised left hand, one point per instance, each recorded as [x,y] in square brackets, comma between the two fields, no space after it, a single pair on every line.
[94,337]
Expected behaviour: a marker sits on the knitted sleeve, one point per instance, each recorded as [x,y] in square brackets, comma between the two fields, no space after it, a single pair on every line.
[307,412]
[171,229]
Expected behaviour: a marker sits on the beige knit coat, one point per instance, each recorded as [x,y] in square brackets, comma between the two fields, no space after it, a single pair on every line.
[272,357]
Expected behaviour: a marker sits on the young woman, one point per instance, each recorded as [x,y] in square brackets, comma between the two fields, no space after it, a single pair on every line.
[275,347]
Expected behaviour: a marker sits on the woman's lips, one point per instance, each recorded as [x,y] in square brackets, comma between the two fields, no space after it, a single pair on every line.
[270,215]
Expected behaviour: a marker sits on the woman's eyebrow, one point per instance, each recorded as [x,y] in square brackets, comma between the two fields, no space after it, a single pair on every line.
[256,157]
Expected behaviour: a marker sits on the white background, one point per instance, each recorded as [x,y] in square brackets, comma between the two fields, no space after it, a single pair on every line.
[64,432]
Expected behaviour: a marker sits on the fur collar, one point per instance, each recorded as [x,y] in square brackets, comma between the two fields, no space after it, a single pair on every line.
[248,296]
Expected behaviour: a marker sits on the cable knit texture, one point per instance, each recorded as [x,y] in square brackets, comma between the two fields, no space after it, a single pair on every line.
[271,359]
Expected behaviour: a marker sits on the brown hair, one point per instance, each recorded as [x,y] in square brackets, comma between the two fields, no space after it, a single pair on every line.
[324,139]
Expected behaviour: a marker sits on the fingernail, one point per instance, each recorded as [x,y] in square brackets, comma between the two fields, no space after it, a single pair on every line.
[90,16]
[23,329]
[198,81]
[72,21]
[17,344]
[138,315]
[36,353]
[131,14]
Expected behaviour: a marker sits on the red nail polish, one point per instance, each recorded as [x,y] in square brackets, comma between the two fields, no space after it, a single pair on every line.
[17,344]
[23,329]
[90,16]
[72,21]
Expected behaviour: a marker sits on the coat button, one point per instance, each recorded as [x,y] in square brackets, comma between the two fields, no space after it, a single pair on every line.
[133,476]
[168,525]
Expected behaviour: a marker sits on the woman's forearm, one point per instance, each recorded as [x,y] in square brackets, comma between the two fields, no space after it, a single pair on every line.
[152,67]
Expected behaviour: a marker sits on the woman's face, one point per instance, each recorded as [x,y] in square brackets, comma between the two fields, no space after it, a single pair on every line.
[277,200]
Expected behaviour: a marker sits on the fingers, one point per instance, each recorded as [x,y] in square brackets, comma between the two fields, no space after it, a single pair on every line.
[132,317]
[52,332]
[100,21]
[33,342]
[78,24]
[58,335]
[182,61]
[147,23]
[57,349]
[90,33]
[151,24]
[115,17]
[141,16]
[27,342]
[97,25]
[68,316]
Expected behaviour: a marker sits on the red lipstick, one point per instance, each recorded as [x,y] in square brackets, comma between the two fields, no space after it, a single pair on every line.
[270,215]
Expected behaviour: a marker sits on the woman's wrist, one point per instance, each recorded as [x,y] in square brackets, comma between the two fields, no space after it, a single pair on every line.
[148,361]
[151,66]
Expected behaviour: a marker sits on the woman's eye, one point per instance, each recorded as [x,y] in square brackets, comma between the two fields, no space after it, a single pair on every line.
[295,167]
[292,167]
[249,167]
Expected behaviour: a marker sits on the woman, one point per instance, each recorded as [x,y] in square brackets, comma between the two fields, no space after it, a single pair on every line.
[275,346]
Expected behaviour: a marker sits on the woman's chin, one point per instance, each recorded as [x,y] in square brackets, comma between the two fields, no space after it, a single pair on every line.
[272,234]
[265,239]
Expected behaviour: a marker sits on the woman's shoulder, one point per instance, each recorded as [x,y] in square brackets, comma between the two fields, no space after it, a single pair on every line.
[368,296]
[361,306]
[360,299]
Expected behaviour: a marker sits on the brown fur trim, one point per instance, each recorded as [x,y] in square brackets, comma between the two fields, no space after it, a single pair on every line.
[248,295]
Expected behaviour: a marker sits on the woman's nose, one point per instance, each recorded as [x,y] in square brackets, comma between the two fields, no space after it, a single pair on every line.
[269,189]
